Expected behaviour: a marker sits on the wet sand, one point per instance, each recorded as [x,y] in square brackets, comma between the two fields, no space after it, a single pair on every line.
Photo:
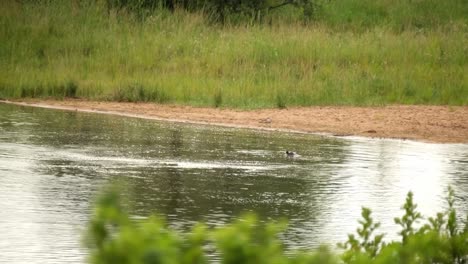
[438,124]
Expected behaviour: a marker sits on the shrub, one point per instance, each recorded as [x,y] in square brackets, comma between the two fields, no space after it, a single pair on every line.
[113,237]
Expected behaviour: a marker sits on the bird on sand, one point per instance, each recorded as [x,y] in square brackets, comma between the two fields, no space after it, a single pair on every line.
[290,154]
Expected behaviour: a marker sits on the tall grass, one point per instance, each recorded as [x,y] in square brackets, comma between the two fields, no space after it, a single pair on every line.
[80,49]
[397,14]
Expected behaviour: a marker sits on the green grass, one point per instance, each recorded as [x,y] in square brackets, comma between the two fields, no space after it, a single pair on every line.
[397,14]
[81,50]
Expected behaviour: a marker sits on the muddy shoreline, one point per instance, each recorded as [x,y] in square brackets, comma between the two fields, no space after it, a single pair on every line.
[436,124]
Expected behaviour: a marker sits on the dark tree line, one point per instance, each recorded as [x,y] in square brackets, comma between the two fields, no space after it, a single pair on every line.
[217,9]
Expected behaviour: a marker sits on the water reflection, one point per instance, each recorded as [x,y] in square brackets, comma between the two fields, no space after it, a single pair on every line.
[378,175]
[52,163]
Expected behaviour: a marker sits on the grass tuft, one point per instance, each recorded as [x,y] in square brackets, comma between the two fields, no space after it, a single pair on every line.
[280,100]
[218,98]
[70,89]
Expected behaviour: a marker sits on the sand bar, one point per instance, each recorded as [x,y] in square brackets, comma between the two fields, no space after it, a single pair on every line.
[437,124]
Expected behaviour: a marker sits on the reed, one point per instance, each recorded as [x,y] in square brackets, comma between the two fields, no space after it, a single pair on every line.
[78,49]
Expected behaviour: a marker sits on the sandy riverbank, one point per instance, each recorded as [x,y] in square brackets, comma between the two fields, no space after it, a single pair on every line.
[439,124]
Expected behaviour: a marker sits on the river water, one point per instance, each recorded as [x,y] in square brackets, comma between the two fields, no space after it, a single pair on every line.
[53,163]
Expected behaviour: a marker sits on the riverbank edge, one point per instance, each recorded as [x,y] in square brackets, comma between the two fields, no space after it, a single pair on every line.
[432,124]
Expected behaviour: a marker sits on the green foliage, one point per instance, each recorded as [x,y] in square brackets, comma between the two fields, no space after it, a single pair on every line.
[70,89]
[113,237]
[138,93]
[247,241]
[281,100]
[452,216]
[410,217]
[355,14]
[222,11]
[366,245]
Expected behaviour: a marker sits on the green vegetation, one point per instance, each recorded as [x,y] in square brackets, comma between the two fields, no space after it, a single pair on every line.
[114,238]
[220,11]
[324,52]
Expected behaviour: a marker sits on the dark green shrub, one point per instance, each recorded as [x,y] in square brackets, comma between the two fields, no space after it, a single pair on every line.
[70,89]
[218,10]
[218,98]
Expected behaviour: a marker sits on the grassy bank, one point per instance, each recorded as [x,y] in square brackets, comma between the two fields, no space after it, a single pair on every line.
[71,49]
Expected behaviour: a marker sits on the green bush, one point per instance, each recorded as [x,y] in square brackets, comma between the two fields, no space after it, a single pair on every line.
[218,10]
[113,237]
[400,14]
